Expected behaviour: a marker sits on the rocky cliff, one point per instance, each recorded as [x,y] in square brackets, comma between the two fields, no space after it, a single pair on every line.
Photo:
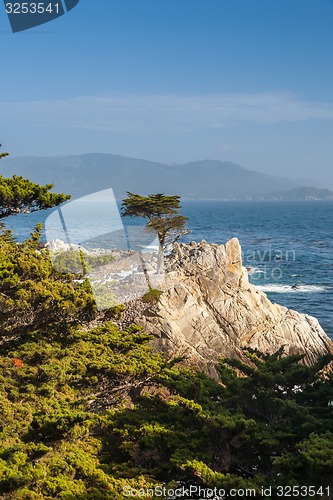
[209,309]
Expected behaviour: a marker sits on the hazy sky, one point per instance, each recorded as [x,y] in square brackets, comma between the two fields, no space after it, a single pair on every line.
[250,81]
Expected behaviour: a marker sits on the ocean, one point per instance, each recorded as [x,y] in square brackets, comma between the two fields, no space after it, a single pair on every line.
[287,246]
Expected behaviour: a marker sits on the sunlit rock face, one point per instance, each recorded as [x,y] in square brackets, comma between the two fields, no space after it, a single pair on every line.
[209,309]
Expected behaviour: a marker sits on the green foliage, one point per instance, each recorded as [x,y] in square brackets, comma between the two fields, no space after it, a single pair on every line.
[52,429]
[162,213]
[33,295]
[264,428]
[87,411]
[114,312]
[4,154]
[78,263]
[152,297]
[19,195]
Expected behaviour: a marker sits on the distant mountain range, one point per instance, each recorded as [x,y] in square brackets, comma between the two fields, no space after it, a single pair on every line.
[298,194]
[80,175]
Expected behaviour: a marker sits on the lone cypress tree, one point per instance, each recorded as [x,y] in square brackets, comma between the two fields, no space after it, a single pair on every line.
[19,195]
[162,213]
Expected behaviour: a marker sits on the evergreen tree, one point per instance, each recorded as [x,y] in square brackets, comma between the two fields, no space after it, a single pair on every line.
[2,155]
[162,213]
[87,411]
[19,195]
[260,425]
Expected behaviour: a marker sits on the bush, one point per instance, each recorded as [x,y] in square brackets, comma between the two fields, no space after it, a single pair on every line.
[152,297]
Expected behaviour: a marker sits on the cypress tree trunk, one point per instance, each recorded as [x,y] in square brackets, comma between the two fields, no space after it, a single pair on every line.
[160,258]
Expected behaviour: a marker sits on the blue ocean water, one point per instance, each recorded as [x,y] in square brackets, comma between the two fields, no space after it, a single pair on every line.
[288,246]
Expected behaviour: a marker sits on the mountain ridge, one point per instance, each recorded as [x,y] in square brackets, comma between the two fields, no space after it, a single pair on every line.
[83,174]
[301,193]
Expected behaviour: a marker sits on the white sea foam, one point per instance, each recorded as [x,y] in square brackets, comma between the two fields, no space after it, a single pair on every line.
[276,288]
[149,248]
[255,270]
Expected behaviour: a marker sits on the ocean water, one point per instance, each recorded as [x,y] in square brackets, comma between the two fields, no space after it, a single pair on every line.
[287,246]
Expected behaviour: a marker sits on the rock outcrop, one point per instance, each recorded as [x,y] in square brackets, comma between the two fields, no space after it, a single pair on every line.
[209,309]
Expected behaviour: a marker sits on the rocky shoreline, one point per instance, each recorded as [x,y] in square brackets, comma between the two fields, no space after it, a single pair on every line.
[207,308]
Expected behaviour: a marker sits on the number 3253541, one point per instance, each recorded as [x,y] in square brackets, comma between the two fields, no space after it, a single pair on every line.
[32,8]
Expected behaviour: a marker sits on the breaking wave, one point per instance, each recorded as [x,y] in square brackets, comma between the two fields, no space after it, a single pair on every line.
[275,288]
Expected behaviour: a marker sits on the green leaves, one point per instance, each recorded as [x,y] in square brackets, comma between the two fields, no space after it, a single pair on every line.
[33,295]
[162,212]
[53,396]
[151,206]
[87,411]
[19,195]
[240,433]
[4,154]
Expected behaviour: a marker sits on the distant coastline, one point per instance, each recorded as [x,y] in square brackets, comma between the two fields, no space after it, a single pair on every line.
[81,175]
[233,200]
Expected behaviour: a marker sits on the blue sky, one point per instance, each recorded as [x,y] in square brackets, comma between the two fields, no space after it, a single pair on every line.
[249,81]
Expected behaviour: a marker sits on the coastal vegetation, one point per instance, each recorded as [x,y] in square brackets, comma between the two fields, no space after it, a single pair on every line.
[162,213]
[89,412]
[19,195]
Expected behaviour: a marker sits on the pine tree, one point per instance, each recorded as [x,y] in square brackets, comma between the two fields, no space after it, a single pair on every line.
[162,213]
[19,195]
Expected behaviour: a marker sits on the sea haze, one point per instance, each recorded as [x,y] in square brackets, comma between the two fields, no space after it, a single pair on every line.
[81,175]
[287,246]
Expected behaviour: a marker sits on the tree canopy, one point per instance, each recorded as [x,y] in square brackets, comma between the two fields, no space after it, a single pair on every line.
[3,154]
[19,195]
[90,412]
[88,409]
[162,212]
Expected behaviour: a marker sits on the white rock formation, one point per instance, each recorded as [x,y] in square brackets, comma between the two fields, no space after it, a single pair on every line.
[60,246]
[209,309]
